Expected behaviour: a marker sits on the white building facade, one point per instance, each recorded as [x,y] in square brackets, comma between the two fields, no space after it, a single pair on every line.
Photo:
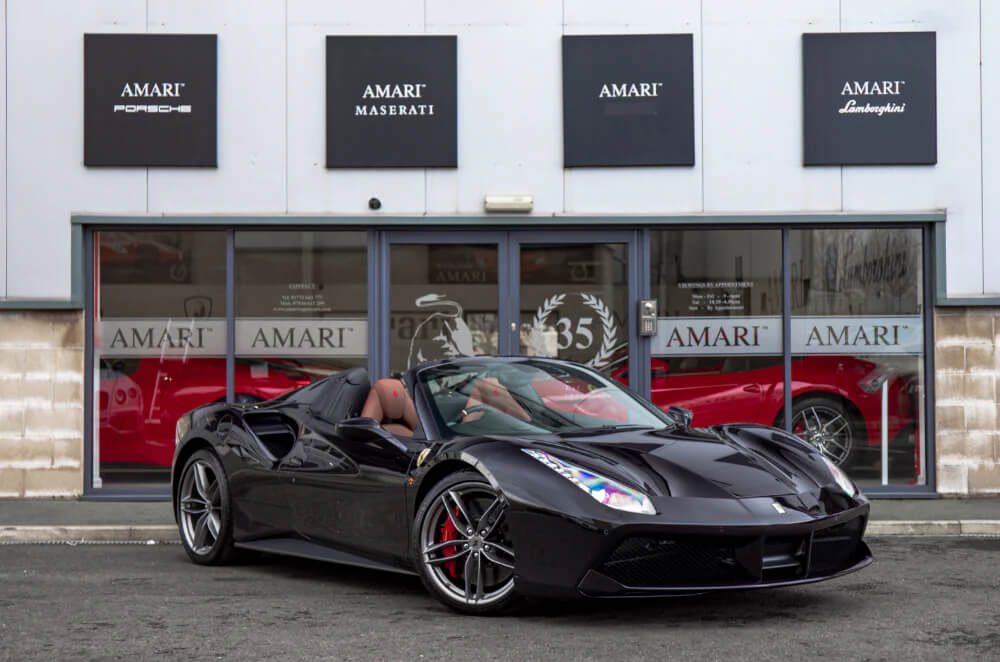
[795,264]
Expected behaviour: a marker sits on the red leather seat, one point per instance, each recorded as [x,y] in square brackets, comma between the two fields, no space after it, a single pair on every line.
[390,404]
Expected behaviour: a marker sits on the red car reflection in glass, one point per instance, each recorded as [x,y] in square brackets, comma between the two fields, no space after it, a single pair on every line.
[141,400]
[836,400]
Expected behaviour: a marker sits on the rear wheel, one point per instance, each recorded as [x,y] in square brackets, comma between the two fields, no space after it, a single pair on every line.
[204,515]
[461,546]
[828,425]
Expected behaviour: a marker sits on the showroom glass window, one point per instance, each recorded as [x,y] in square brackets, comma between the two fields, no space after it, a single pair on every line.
[301,309]
[718,344]
[858,349]
[159,346]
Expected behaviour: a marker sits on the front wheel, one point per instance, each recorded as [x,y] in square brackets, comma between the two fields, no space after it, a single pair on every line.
[204,514]
[461,547]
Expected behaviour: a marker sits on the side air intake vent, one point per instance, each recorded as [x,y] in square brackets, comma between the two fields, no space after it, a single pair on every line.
[274,431]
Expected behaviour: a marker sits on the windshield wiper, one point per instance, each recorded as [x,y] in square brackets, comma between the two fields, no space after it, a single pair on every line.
[605,428]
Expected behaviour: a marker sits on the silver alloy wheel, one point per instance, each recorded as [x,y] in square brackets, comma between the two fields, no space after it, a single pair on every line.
[826,428]
[479,549]
[201,507]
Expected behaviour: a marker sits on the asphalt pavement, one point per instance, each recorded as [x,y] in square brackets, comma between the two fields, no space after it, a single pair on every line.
[923,599]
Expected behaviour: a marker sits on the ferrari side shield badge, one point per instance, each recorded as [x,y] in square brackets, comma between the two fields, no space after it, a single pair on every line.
[423,456]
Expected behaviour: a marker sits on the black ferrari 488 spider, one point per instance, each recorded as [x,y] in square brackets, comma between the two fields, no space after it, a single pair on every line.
[495,478]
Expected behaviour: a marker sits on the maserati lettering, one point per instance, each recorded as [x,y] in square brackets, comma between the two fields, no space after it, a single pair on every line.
[394,109]
[629,90]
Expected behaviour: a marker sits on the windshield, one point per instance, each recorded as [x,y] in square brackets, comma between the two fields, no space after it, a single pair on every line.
[530,397]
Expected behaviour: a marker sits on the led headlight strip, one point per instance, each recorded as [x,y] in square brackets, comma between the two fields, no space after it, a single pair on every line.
[843,481]
[608,492]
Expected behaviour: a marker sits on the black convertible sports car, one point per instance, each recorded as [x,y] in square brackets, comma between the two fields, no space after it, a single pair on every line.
[493,478]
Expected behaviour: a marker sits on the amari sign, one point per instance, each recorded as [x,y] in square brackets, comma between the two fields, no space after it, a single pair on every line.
[149,100]
[391,102]
[628,100]
[869,98]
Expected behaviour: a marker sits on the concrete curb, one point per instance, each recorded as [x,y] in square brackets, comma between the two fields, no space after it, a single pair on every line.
[953,527]
[166,533]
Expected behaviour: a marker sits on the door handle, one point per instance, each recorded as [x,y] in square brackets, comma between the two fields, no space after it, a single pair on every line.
[752,388]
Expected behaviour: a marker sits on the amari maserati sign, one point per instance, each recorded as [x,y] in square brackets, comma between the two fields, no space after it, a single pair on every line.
[149,100]
[391,102]
[628,100]
[870,98]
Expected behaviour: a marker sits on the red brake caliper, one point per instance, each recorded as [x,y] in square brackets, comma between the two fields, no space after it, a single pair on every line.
[449,532]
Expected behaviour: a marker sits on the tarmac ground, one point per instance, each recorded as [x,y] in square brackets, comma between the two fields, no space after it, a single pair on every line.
[924,598]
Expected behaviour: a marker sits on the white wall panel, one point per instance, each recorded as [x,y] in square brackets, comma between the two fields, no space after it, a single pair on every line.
[251,109]
[990,145]
[509,113]
[45,174]
[312,188]
[3,149]
[954,183]
[752,78]
[636,190]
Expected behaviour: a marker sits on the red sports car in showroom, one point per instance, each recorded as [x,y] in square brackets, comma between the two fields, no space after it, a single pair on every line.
[141,399]
[836,400]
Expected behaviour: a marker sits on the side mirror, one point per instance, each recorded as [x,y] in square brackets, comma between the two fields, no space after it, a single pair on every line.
[680,416]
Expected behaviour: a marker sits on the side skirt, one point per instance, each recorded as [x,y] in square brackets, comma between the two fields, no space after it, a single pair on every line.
[309,550]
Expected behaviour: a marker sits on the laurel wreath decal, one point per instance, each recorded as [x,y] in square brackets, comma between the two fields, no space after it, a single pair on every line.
[608,324]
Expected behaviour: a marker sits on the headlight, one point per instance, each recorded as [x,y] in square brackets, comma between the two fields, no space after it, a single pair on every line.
[182,428]
[843,481]
[608,492]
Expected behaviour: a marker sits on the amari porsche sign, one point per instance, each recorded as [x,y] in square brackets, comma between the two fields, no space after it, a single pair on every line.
[391,102]
[149,100]
[628,100]
[870,98]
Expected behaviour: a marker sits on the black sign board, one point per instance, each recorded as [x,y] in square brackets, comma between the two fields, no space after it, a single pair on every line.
[628,100]
[149,100]
[391,102]
[870,98]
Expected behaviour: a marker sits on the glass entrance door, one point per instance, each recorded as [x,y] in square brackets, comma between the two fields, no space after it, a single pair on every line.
[572,298]
[444,294]
[534,293]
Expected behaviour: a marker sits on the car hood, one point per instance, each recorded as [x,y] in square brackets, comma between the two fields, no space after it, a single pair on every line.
[732,461]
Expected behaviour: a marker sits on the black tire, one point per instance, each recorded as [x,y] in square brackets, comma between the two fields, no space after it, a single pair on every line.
[830,426]
[487,560]
[203,505]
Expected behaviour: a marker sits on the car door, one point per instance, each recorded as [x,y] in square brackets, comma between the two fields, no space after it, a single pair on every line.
[347,489]
[716,389]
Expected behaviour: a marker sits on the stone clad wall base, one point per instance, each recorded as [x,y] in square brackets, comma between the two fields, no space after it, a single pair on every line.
[967,394]
[41,404]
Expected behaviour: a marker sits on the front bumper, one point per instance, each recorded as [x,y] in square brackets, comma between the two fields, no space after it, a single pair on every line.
[564,557]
